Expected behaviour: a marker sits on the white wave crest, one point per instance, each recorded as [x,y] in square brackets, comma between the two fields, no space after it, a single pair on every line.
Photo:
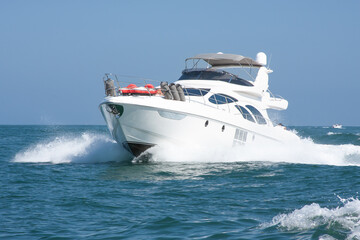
[346,217]
[80,149]
[304,151]
[89,147]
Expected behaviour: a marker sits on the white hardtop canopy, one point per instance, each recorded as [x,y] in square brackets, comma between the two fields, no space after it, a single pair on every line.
[226,60]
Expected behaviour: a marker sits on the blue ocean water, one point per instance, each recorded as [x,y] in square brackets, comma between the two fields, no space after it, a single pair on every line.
[72,182]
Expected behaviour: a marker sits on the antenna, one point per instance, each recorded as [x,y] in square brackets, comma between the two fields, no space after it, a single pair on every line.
[268,67]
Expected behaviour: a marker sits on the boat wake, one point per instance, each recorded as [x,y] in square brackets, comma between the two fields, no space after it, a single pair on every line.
[310,217]
[86,148]
[304,151]
[95,148]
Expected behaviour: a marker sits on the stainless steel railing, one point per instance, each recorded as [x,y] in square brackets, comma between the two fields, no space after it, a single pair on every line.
[228,104]
[275,97]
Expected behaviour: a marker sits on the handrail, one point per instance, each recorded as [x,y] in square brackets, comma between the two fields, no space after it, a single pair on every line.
[204,100]
[275,97]
[136,80]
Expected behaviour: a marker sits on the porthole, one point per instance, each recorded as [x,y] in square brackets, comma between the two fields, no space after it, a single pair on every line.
[206,123]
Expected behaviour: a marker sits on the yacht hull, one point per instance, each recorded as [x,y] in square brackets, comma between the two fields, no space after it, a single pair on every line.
[143,122]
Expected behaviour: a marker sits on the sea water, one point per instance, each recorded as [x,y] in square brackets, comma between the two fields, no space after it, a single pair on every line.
[75,182]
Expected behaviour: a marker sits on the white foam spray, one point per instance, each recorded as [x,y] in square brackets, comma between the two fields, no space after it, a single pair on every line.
[304,151]
[86,148]
[346,217]
[90,147]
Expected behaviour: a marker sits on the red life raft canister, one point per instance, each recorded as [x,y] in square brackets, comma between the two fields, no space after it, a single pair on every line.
[132,89]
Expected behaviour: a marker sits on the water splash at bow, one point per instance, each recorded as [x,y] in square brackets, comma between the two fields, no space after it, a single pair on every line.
[86,148]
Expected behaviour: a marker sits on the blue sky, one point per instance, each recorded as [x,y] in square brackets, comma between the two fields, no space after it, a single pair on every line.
[53,54]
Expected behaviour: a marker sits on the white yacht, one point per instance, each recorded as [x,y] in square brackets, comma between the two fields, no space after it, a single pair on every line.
[219,99]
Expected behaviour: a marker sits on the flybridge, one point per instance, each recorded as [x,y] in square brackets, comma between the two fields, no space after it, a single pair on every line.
[219,60]
[240,70]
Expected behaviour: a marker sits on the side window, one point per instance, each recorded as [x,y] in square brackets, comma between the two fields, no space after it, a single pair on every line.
[259,118]
[240,81]
[195,91]
[245,113]
[221,99]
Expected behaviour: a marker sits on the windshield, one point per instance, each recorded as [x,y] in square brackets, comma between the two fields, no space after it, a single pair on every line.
[206,74]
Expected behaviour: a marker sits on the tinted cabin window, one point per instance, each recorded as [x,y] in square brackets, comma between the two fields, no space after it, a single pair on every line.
[221,99]
[214,75]
[190,75]
[195,91]
[259,118]
[245,113]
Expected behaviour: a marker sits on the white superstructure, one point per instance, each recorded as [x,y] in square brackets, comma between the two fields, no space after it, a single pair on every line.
[218,106]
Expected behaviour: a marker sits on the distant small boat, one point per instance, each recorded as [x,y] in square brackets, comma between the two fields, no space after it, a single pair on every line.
[337,126]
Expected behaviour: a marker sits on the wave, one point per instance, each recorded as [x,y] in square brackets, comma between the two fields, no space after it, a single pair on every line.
[332,133]
[342,133]
[345,218]
[304,151]
[86,148]
[93,148]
